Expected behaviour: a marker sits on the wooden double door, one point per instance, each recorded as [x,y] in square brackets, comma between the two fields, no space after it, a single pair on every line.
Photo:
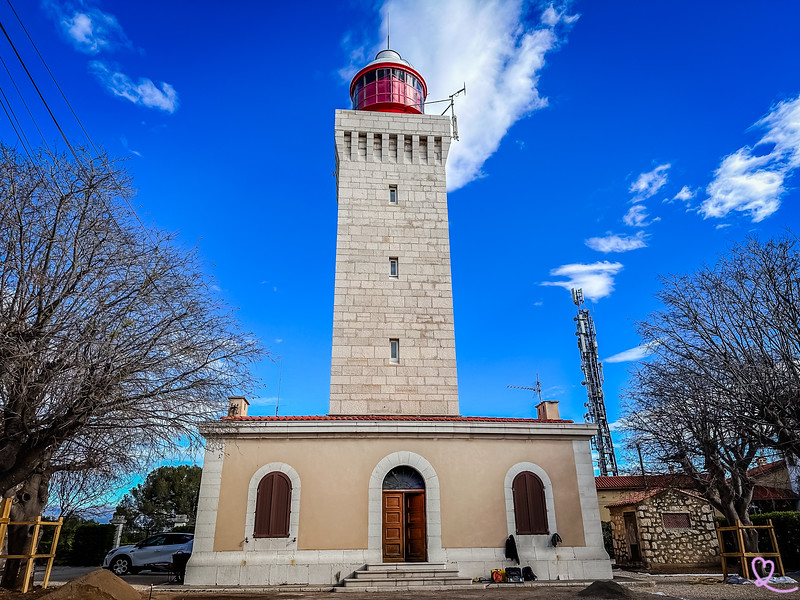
[404,531]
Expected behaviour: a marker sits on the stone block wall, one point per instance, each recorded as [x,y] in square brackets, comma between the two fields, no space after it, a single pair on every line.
[662,546]
[377,152]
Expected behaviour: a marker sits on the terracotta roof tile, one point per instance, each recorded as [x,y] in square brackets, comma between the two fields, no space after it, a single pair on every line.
[445,418]
[637,497]
[621,482]
[760,470]
[765,492]
[633,498]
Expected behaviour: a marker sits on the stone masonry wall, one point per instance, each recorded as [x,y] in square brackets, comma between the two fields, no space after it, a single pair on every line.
[660,546]
[375,151]
[618,538]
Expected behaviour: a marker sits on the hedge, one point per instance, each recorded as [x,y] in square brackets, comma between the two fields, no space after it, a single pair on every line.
[91,544]
[787,533]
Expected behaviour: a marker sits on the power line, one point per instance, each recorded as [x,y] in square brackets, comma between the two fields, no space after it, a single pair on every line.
[99,155]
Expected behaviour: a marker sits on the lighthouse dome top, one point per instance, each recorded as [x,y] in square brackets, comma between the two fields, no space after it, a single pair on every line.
[389,55]
[389,84]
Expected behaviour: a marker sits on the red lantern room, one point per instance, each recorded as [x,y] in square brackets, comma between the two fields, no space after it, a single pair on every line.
[389,84]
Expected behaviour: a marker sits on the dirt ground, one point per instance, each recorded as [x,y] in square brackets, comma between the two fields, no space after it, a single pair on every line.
[670,590]
[642,587]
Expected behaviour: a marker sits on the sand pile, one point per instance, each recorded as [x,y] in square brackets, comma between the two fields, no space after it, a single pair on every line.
[607,590]
[97,585]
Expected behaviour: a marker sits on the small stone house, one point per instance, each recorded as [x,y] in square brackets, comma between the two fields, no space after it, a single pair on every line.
[662,529]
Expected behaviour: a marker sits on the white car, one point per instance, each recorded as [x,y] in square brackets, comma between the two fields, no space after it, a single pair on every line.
[154,553]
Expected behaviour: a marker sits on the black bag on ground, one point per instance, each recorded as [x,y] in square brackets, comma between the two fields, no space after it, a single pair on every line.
[513,575]
[528,574]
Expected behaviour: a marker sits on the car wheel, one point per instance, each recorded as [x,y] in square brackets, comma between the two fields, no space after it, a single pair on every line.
[120,565]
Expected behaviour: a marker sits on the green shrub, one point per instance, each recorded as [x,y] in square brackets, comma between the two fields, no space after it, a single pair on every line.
[608,538]
[787,533]
[90,544]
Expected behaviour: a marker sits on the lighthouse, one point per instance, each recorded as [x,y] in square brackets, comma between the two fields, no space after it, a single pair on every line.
[393,489]
[393,347]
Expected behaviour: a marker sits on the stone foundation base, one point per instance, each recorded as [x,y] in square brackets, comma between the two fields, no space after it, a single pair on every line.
[329,567]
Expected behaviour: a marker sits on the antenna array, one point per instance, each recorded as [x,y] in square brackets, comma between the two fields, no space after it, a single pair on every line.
[593,380]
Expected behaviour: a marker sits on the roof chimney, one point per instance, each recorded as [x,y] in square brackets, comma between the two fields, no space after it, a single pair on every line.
[237,406]
[548,409]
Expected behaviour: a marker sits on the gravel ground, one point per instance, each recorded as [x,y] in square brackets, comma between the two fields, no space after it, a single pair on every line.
[642,586]
[663,589]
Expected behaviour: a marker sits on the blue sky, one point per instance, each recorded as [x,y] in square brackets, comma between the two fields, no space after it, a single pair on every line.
[602,144]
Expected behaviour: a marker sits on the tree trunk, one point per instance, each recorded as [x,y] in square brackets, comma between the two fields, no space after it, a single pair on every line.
[749,536]
[30,500]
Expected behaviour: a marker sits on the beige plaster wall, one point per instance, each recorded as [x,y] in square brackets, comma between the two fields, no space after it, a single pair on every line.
[334,475]
[605,497]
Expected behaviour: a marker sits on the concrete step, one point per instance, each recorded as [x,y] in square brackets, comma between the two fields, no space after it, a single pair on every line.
[404,566]
[405,577]
[405,573]
[409,588]
[404,583]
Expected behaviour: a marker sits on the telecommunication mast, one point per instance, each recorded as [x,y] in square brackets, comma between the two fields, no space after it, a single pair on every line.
[593,380]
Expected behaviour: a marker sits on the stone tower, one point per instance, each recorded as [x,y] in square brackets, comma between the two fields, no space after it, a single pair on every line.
[393,335]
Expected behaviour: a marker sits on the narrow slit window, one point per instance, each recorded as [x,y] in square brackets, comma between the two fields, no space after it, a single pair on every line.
[392,194]
[393,267]
[394,351]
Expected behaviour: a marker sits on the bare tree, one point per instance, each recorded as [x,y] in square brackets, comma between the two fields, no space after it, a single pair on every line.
[675,417]
[728,339]
[112,344]
[84,494]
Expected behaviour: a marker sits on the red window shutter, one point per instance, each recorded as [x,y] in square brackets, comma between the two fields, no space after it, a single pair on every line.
[530,510]
[272,506]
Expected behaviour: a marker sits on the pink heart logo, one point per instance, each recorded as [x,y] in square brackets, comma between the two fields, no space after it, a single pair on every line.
[766,564]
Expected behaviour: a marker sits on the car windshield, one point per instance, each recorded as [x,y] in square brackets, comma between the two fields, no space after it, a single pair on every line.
[156,540]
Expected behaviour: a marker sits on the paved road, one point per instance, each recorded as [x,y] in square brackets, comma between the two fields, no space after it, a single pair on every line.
[61,575]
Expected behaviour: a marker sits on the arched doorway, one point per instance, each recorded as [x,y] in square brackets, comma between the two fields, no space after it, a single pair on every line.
[404,532]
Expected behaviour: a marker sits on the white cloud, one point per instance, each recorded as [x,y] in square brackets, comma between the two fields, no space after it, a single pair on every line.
[648,184]
[145,92]
[633,354]
[124,142]
[617,243]
[89,29]
[262,401]
[752,180]
[486,44]
[278,340]
[596,279]
[637,216]
[684,195]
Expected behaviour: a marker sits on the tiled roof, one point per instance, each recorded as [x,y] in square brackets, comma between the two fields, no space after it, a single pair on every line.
[623,482]
[760,470]
[439,418]
[636,497]
[765,492]
[633,498]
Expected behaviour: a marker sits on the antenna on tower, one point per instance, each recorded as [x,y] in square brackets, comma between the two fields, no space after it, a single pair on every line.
[593,380]
[388,47]
[537,389]
[452,108]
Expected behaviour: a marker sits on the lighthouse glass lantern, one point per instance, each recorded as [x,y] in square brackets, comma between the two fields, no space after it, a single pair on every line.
[389,84]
